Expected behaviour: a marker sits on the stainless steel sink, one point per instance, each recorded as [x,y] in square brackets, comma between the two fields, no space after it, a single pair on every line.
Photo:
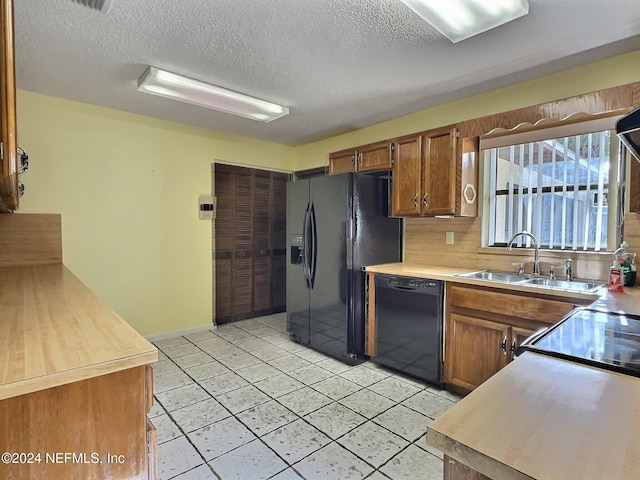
[573,285]
[495,276]
[584,286]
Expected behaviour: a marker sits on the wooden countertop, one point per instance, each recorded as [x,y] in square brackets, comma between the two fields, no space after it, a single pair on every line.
[546,418]
[54,330]
[448,274]
[627,302]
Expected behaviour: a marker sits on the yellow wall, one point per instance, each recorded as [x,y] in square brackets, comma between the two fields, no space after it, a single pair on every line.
[607,73]
[127,187]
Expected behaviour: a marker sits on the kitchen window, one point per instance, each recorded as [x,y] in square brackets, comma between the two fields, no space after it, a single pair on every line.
[560,184]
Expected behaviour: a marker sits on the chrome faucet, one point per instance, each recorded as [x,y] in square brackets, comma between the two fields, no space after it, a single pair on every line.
[536,258]
[568,269]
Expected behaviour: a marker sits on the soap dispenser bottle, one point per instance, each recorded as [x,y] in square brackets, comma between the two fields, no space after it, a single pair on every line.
[627,264]
[615,277]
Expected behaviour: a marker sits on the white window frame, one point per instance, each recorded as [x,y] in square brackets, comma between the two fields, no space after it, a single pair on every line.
[617,169]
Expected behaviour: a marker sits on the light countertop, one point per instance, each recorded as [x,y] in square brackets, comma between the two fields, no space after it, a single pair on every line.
[54,330]
[546,419]
[448,274]
[627,302]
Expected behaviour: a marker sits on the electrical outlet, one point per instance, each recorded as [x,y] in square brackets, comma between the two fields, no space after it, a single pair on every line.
[449,238]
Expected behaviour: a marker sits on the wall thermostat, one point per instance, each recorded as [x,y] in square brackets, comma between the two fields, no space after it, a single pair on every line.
[206,207]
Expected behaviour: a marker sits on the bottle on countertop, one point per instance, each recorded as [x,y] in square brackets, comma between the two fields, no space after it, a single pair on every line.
[627,264]
[615,278]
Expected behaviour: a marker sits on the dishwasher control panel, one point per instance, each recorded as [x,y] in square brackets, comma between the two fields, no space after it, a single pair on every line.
[411,282]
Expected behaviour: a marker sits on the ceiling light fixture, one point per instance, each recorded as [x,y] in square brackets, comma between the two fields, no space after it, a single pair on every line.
[461,19]
[184,89]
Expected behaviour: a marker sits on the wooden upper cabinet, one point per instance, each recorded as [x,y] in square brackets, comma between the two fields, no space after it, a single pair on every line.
[406,175]
[368,158]
[435,173]
[439,172]
[342,162]
[374,157]
[9,154]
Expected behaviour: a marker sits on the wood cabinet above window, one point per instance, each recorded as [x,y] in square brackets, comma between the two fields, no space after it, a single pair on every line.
[368,158]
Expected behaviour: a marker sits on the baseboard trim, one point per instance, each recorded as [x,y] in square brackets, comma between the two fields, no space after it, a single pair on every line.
[175,333]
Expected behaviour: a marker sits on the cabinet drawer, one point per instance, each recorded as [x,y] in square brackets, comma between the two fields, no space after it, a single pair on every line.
[520,305]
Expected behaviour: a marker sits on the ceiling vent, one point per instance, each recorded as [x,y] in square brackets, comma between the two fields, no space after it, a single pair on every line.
[102,5]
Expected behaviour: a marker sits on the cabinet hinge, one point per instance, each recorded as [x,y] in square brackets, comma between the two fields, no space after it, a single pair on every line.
[392,146]
[457,133]
[1,150]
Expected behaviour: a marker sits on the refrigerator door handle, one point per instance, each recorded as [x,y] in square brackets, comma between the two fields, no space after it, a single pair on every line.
[305,247]
[314,247]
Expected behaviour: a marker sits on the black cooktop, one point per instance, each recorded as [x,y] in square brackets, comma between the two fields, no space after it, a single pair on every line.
[601,339]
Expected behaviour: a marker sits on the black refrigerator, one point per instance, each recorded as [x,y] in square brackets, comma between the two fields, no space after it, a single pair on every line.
[336,225]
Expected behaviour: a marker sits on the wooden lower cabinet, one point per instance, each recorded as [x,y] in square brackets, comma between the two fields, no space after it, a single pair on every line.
[454,470]
[474,350]
[90,429]
[484,327]
[152,449]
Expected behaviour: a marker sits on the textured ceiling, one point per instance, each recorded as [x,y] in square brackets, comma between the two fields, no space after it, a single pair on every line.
[338,64]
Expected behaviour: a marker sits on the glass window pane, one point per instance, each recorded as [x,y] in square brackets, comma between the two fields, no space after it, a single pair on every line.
[565,173]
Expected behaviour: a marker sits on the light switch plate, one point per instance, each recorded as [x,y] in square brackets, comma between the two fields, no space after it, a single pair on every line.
[206,207]
[449,238]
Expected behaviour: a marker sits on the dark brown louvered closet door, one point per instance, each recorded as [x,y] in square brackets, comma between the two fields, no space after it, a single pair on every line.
[250,242]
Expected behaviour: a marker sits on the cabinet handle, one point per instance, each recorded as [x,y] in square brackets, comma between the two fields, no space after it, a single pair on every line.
[424,200]
[513,345]
[415,200]
[503,345]
[359,159]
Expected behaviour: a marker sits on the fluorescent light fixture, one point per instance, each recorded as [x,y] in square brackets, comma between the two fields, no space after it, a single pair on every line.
[461,19]
[184,89]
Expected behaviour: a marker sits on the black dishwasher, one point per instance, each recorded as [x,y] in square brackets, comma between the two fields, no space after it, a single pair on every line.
[409,325]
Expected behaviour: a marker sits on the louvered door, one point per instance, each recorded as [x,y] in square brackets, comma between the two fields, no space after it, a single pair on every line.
[223,254]
[241,301]
[261,242]
[250,242]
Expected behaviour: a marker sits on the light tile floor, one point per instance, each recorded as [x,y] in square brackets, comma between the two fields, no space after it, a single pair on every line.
[242,401]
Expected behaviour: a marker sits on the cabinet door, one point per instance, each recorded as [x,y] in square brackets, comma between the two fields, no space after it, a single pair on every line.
[439,173]
[475,350]
[406,170]
[519,335]
[374,157]
[9,160]
[342,162]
